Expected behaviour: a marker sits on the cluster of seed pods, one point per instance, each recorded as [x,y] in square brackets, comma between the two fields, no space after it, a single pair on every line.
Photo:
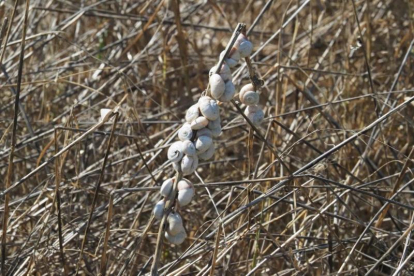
[196,136]
[175,233]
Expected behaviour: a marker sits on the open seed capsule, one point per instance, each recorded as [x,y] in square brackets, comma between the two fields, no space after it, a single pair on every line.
[185,132]
[192,113]
[175,151]
[189,164]
[209,108]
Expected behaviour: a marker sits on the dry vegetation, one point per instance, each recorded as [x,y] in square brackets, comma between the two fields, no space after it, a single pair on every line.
[329,192]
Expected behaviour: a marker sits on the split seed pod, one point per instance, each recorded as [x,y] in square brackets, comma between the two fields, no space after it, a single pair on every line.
[166,187]
[175,152]
[205,131]
[208,153]
[250,98]
[189,148]
[217,86]
[233,57]
[192,113]
[255,114]
[177,239]
[158,210]
[229,92]
[185,132]
[175,224]
[225,71]
[203,143]
[189,164]
[199,123]
[185,192]
[209,108]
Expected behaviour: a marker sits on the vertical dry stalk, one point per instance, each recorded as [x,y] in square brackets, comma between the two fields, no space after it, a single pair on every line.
[96,192]
[13,140]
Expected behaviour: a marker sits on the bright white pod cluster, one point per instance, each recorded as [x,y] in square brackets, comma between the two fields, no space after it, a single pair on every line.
[175,233]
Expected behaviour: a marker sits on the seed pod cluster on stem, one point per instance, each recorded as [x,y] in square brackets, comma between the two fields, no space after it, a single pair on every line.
[196,137]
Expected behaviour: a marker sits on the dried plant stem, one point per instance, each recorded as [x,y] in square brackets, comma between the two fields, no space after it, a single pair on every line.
[96,192]
[13,140]
[163,225]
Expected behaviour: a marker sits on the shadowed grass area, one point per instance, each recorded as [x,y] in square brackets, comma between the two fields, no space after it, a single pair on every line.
[322,187]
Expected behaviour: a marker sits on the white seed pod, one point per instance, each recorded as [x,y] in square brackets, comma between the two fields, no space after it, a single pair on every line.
[203,143]
[185,192]
[229,92]
[217,86]
[245,49]
[225,71]
[250,98]
[185,196]
[177,239]
[209,108]
[183,184]
[214,124]
[240,39]
[192,113]
[199,123]
[175,224]
[158,210]
[189,148]
[189,164]
[205,132]
[233,58]
[255,114]
[216,132]
[208,153]
[185,132]
[175,152]
[166,187]
[246,88]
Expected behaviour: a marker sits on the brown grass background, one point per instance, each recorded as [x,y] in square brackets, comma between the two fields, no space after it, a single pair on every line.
[327,76]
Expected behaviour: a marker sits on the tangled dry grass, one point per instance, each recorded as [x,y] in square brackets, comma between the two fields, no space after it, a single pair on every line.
[324,188]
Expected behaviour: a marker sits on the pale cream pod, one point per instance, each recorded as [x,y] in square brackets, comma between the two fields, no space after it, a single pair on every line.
[225,72]
[209,108]
[208,153]
[185,192]
[175,151]
[203,143]
[192,113]
[205,131]
[199,123]
[228,92]
[189,164]
[189,148]
[245,48]
[185,132]
[175,224]
[255,114]
[250,98]
[177,239]
[233,59]
[158,210]
[166,187]
[217,86]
